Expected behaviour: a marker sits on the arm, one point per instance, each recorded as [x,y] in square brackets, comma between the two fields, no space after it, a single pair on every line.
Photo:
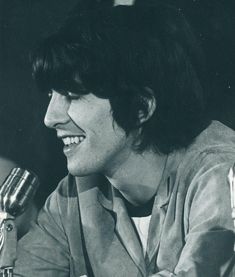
[44,250]
[209,237]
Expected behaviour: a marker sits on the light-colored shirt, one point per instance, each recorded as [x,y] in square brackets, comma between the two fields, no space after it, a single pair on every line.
[82,230]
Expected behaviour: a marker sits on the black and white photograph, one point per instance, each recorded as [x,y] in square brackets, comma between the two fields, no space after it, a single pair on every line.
[117,138]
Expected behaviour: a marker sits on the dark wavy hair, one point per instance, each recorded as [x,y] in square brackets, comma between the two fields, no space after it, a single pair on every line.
[118,52]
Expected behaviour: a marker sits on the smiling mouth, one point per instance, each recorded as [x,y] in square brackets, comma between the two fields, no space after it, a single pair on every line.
[73,140]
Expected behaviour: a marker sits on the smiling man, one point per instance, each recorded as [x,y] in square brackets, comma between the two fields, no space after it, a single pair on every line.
[93,142]
[147,192]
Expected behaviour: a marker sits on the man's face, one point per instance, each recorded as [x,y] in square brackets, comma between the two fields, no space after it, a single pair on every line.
[93,142]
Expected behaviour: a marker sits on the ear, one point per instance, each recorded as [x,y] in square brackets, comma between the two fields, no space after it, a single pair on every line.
[151,104]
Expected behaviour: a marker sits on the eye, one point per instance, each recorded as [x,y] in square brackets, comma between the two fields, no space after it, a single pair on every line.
[73,96]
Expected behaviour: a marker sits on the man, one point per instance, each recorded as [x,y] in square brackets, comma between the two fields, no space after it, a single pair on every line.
[147,192]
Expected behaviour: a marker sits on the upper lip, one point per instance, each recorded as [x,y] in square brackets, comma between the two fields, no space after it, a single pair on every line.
[61,136]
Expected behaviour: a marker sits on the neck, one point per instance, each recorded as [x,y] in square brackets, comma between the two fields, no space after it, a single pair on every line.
[138,177]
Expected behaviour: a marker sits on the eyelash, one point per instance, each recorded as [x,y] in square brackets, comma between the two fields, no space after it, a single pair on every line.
[72,96]
[69,95]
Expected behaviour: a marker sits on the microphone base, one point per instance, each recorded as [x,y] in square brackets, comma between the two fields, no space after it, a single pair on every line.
[8,243]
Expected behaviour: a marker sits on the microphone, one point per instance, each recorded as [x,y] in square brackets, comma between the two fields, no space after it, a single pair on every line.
[16,193]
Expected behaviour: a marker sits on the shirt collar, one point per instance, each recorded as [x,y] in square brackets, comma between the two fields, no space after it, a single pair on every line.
[165,187]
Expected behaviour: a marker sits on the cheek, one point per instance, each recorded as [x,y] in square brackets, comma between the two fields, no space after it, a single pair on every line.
[95,118]
[87,116]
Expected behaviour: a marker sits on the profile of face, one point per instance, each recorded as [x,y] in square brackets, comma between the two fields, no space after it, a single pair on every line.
[93,142]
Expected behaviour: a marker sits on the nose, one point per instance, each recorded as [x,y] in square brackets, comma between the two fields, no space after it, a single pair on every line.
[56,113]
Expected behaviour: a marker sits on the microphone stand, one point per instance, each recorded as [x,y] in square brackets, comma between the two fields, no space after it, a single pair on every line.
[15,195]
[8,244]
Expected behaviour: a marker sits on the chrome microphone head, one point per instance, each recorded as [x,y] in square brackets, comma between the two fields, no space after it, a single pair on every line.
[17,191]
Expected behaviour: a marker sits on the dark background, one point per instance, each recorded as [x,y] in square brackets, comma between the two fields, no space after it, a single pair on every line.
[23,137]
[23,23]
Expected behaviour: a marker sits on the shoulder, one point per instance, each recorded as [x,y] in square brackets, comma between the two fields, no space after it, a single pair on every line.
[205,186]
[202,173]
[212,152]
[206,172]
[216,138]
[202,187]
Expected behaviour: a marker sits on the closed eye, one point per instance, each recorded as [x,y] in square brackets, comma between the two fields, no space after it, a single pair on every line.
[72,96]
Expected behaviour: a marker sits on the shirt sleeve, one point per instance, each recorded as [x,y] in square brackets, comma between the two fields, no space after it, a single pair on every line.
[43,252]
[209,240]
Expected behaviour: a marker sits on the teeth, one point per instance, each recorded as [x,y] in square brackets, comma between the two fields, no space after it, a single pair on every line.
[81,139]
[66,141]
[70,140]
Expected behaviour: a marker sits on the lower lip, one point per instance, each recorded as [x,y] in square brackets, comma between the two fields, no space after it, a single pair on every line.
[69,149]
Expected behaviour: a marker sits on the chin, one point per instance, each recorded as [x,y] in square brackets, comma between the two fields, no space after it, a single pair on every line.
[79,171]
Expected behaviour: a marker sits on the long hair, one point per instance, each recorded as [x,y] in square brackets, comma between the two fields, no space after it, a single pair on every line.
[116,53]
